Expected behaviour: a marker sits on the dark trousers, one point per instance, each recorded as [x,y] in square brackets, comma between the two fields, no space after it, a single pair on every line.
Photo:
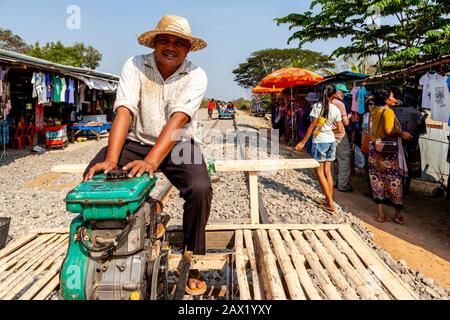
[190,177]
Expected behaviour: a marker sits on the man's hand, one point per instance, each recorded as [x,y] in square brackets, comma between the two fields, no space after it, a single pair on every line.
[138,168]
[102,167]
[300,146]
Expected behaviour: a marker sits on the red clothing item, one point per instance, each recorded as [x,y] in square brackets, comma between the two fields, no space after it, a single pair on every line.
[211,105]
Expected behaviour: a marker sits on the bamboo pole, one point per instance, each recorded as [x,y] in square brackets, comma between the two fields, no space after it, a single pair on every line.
[289,273]
[361,287]
[271,265]
[347,291]
[251,256]
[241,270]
[299,263]
[324,281]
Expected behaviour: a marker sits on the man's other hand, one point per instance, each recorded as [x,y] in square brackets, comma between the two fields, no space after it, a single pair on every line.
[138,168]
[102,167]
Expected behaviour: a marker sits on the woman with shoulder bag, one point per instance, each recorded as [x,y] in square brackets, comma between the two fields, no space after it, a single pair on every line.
[325,115]
[386,158]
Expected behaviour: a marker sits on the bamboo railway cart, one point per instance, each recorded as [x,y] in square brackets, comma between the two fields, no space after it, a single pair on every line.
[257,261]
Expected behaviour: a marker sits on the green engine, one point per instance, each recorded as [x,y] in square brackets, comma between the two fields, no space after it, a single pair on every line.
[114,253]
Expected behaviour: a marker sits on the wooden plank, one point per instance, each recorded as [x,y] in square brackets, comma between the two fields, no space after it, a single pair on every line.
[361,287]
[51,286]
[271,266]
[19,274]
[241,270]
[54,230]
[17,244]
[257,293]
[389,279]
[214,239]
[357,264]
[281,226]
[347,291]
[70,168]
[262,270]
[19,258]
[299,262]
[254,201]
[265,165]
[42,282]
[289,273]
[213,261]
[184,273]
[19,285]
[322,276]
[165,192]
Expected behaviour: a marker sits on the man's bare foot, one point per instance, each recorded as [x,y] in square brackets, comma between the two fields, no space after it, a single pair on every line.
[195,284]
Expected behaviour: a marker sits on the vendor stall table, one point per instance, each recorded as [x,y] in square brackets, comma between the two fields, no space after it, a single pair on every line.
[96,130]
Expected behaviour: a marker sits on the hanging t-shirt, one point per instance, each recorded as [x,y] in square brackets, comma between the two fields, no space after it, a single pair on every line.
[326,134]
[63,89]
[39,87]
[48,86]
[82,91]
[354,99]
[71,92]
[361,95]
[57,87]
[426,92]
[440,99]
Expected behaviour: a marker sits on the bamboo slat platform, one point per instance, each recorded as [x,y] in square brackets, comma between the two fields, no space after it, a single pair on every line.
[270,262]
[29,267]
[312,263]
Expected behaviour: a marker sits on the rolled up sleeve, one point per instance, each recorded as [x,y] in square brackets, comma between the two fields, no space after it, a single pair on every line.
[128,91]
[191,98]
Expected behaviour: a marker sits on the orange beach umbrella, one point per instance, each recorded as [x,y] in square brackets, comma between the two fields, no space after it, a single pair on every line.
[263,90]
[291,77]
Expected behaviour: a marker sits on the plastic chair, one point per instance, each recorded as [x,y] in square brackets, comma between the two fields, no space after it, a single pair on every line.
[29,135]
[19,139]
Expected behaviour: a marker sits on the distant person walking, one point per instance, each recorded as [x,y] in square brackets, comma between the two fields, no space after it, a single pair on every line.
[325,115]
[211,107]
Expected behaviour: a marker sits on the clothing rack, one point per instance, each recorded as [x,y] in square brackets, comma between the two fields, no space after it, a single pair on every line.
[4,135]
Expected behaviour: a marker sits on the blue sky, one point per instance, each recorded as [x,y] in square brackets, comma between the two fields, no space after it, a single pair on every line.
[233,28]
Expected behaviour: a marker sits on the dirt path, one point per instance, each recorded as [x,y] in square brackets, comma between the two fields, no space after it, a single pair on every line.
[423,242]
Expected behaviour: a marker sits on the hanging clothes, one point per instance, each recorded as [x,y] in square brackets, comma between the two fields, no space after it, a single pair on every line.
[57,87]
[63,89]
[361,95]
[39,121]
[426,91]
[48,86]
[71,92]
[7,109]
[440,99]
[82,91]
[3,73]
[354,92]
[39,87]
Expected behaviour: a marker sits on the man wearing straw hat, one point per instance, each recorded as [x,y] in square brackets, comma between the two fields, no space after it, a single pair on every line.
[154,128]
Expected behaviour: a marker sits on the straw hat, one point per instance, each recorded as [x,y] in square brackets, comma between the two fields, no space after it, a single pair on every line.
[174,25]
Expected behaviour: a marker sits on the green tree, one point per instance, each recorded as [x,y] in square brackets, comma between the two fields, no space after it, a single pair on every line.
[12,42]
[408,31]
[264,62]
[77,55]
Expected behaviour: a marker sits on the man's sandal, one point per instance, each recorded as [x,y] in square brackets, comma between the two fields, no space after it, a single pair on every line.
[399,221]
[195,292]
[382,221]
